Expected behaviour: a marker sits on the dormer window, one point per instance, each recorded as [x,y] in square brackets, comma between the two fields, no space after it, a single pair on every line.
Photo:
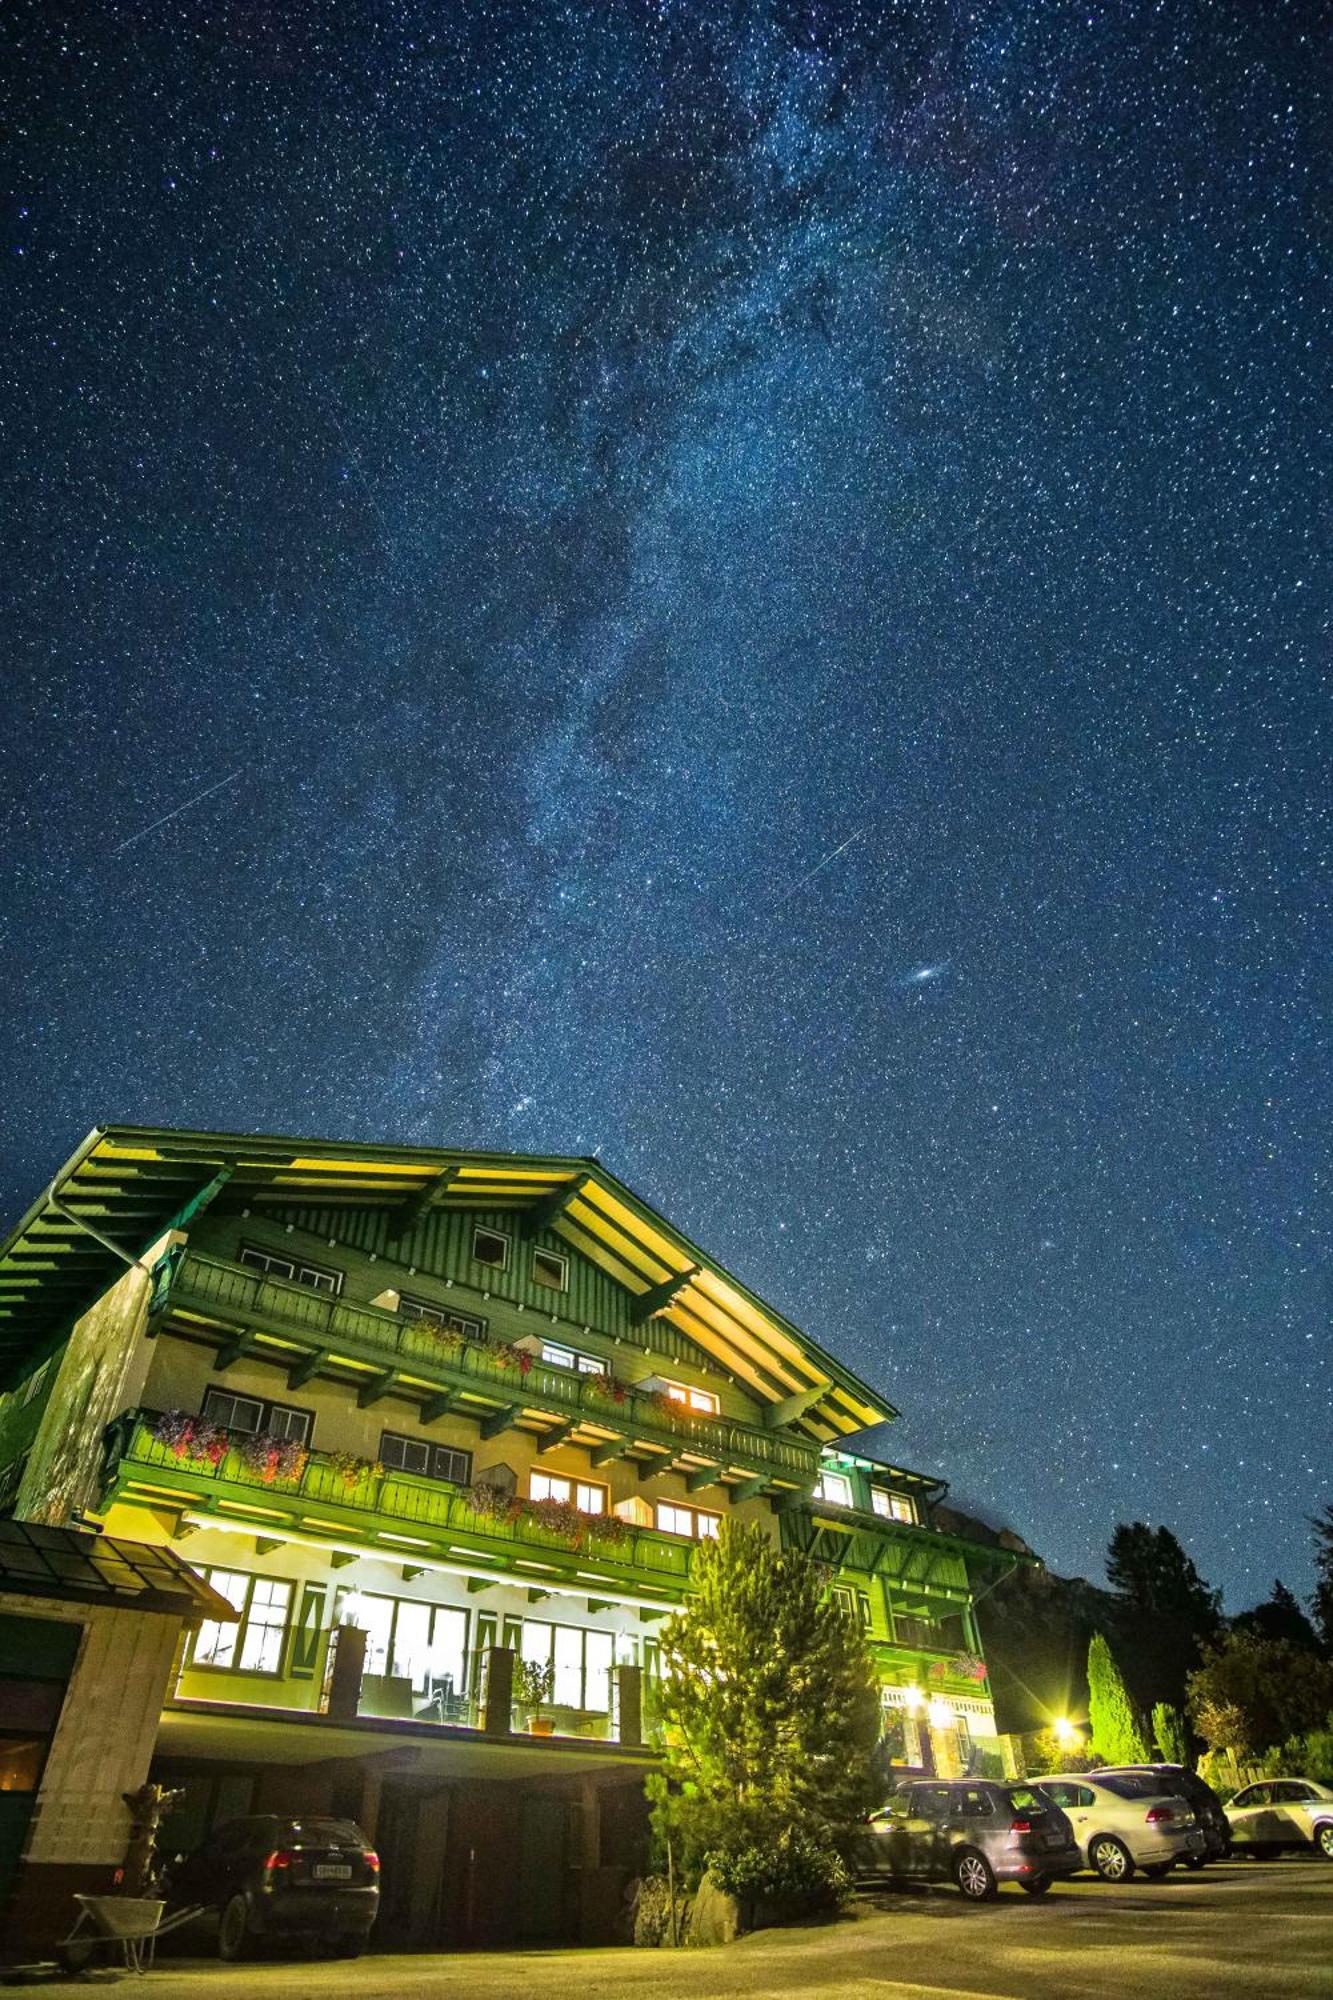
[835,1490]
[490,1247]
[892,1506]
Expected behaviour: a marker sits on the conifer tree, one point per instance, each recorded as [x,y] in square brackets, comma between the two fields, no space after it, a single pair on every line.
[1171,1733]
[769,1703]
[1321,1604]
[1118,1734]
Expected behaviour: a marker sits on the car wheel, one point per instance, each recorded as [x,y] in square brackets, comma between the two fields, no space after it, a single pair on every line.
[1037,1886]
[1111,1858]
[1323,1839]
[1158,1870]
[1196,1861]
[234,1941]
[974,1876]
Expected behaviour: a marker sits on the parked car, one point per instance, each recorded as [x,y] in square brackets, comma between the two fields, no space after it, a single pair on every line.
[1188,1785]
[978,1833]
[1124,1821]
[1280,1813]
[310,1880]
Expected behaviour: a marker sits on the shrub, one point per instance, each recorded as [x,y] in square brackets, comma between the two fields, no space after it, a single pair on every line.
[797,1874]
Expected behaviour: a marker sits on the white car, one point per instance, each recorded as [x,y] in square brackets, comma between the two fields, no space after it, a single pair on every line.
[1125,1821]
[1282,1812]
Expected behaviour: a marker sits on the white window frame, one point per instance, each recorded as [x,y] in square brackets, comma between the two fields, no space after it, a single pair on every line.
[893,1506]
[703,1522]
[471,1325]
[544,1644]
[293,1270]
[847,1498]
[555,1354]
[490,1263]
[588,1495]
[267,1411]
[551,1257]
[699,1402]
[230,1643]
[429,1450]
[383,1652]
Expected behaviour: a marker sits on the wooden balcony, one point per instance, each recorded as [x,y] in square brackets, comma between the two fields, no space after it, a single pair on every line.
[393,1513]
[381,1354]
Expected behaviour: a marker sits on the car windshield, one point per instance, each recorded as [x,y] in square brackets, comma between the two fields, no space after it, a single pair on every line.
[1023,1799]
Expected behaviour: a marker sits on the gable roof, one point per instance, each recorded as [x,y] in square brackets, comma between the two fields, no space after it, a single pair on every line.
[127,1184]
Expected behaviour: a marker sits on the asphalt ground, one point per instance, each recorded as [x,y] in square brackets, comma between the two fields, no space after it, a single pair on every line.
[1263,1930]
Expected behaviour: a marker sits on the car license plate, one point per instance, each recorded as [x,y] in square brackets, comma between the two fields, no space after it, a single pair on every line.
[333,1871]
[1052,1840]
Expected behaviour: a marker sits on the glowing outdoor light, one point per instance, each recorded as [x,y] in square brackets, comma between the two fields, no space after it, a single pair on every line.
[1066,1733]
[941,1715]
[913,1700]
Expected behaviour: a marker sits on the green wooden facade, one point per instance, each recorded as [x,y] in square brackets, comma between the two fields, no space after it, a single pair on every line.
[512,1397]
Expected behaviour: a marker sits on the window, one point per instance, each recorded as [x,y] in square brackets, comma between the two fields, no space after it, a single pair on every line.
[834,1489]
[550,1270]
[673,1519]
[581,1661]
[556,1356]
[490,1247]
[892,1506]
[701,1400]
[470,1325]
[581,1493]
[423,1643]
[254,1643]
[854,1601]
[432,1461]
[250,1415]
[296,1270]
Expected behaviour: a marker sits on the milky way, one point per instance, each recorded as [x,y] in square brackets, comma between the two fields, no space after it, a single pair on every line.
[583,464]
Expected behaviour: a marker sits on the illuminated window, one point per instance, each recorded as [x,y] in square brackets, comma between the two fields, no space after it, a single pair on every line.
[702,1400]
[892,1506]
[580,1493]
[673,1519]
[550,1270]
[569,1357]
[835,1489]
[254,1643]
[423,1643]
[854,1601]
[581,1661]
[265,1626]
[490,1247]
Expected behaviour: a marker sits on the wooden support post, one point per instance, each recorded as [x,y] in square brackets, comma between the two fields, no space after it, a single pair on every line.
[498,1720]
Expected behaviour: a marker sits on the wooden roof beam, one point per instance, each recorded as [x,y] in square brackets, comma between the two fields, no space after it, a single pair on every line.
[792,1408]
[422,1202]
[310,1364]
[555,1437]
[552,1206]
[377,1388]
[500,1420]
[658,1297]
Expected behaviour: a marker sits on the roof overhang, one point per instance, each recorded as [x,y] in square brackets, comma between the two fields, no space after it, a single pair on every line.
[127,1184]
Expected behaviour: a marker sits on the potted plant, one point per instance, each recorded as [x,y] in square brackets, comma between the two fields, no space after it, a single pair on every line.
[533,1682]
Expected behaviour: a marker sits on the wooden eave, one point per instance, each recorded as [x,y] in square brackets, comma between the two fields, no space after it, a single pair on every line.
[130,1184]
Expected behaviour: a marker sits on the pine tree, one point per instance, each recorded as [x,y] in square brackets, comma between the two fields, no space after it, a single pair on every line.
[1171,1733]
[1279,1617]
[1118,1734]
[770,1706]
[1321,1604]
[1166,1613]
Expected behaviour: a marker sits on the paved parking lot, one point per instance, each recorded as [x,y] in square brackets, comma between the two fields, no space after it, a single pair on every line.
[1261,1930]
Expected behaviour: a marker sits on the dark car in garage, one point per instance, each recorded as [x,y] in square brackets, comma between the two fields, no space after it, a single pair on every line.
[266,1879]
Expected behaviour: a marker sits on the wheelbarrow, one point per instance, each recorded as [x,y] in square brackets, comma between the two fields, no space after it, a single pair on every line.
[130,1925]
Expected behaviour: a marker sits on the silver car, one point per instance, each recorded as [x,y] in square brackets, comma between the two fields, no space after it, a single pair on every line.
[1282,1812]
[1125,1821]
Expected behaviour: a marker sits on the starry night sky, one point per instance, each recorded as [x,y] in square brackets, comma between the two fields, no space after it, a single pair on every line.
[562,471]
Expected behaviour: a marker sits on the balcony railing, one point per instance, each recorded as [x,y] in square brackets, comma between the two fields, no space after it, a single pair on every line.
[379,1503]
[250,1299]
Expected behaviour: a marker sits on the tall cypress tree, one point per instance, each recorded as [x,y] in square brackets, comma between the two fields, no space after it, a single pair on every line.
[1118,1733]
